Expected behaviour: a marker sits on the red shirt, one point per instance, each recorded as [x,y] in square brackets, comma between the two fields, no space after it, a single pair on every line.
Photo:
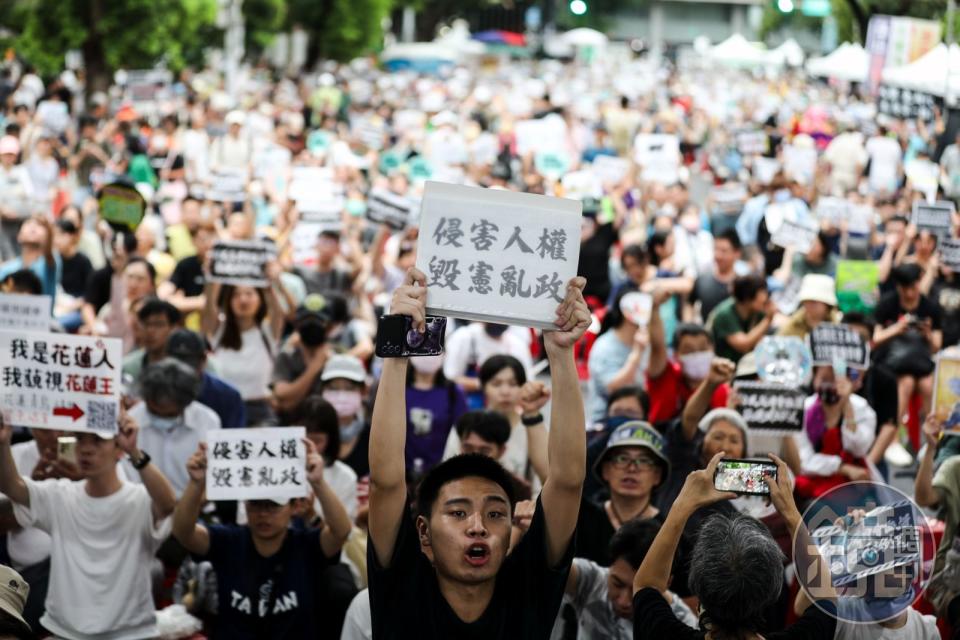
[669,393]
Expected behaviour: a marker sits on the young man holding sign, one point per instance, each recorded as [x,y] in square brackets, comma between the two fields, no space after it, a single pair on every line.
[105,533]
[451,577]
[266,571]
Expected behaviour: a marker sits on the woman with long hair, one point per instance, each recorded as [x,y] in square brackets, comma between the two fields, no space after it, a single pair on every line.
[36,253]
[244,325]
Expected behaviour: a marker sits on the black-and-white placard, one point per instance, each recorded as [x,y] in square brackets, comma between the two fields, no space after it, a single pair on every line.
[831,342]
[752,142]
[936,217]
[241,262]
[950,253]
[770,408]
[794,235]
[391,209]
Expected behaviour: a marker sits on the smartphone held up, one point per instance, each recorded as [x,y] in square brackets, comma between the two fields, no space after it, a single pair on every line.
[745,477]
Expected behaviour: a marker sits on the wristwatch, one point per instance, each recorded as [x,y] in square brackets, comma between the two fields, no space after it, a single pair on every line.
[532,421]
[142,462]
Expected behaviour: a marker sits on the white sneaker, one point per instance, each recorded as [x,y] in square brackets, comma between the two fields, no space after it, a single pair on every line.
[897,456]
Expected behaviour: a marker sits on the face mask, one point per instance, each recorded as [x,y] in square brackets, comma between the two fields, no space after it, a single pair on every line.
[312,334]
[427,364]
[162,423]
[347,403]
[828,393]
[356,207]
[783,195]
[690,223]
[696,366]
[495,330]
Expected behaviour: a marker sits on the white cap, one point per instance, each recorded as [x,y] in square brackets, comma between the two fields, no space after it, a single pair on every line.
[344,366]
[819,288]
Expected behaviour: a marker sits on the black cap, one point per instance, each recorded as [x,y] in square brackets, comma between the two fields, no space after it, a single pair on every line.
[187,346]
[314,306]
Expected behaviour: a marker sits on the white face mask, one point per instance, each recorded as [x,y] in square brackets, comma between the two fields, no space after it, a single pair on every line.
[696,365]
[347,403]
[427,364]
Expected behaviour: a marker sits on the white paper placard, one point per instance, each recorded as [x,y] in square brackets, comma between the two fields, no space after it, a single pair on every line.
[495,255]
[256,464]
[950,253]
[60,381]
[751,142]
[303,239]
[658,155]
[241,262]
[764,169]
[312,183]
[794,235]
[800,163]
[936,218]
[610,169]
[833,210]
[21,312]
[860,218]
[228,185]
[581,184]
[541,134]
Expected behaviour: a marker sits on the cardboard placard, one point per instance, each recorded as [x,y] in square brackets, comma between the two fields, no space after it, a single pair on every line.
[497,256]
[21,312]
[228,185]
[946,390]
[60,381]
[858,285]
[391,209]
[752,142]
[770,408]
[121,206]
[794,235]
[831,342]
[658,155]
[936,218]
[950,253]
[241,262]
[266,463]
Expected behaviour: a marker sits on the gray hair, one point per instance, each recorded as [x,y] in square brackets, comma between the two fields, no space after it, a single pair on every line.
[170,380]
[736,570]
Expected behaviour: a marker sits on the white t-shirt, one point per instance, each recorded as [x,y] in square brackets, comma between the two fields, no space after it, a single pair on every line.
[251,368]
[471,345]
[918,627]
[885,156]
[343,480]
[356,623]
[102,551]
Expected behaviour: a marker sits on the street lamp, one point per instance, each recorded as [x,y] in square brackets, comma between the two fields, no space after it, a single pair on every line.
[578,7]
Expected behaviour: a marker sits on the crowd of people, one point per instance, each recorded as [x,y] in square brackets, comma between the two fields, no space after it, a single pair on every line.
[525,483]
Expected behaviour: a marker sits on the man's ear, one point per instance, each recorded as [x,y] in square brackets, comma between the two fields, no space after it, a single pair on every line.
[423,531]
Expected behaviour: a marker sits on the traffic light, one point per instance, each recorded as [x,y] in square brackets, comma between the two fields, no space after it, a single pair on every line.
[578,7]
[785,6]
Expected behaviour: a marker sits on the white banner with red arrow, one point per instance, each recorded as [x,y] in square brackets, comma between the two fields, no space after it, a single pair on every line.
[59,381]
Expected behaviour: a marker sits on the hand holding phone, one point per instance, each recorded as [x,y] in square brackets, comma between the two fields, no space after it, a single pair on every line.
[67,448]
[744,477]
[397,337]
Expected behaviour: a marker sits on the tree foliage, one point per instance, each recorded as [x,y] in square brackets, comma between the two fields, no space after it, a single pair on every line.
[340,29]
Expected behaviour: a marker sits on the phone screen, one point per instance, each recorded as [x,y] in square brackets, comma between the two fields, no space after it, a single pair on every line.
[744,476]
[67,448]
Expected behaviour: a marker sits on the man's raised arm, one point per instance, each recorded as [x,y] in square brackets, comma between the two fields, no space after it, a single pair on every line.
[388,431]
[567,446]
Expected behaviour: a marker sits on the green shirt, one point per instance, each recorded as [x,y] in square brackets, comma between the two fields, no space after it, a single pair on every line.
[726,323]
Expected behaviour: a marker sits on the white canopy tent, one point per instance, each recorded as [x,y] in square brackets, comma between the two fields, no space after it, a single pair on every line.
[790,54]
[736,51]
[584,37]
[929,72]
[849,62]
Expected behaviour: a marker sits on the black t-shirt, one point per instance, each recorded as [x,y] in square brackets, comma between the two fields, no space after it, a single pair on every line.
[947,296]
[594,531]
[98,287]
[889,310]
[405,599]
[188,276]
[595,261]
[710,292]
[653,620]
[248,583]
[76,273]
[359,459]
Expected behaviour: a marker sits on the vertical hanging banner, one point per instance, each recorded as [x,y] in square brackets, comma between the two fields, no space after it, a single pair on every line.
[497,256]
[59,381]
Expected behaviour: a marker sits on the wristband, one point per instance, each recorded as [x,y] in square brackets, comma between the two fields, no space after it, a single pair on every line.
[532,421]
[142,462]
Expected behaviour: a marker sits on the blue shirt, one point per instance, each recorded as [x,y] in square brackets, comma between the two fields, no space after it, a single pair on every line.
[607,357]
[225,401]
[48,277]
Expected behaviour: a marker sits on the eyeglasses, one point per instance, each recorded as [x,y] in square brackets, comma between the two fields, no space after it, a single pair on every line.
[622,461]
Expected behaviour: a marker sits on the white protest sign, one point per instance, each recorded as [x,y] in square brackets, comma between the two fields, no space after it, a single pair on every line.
[936,218]
[950,253]
[764,169]
[833,210]
[54,116]
[497,256]
[637,307]
[241,262]
[24,312]
[267,463]
[59,381]
[228,185]
[541,134]
[658,154]
[751,142]
[610,169]
[303,239]
[730,197]
[312,183]
[405,120]
[860,218]
[800,163]
[391,209]
[794,235]
[581,184]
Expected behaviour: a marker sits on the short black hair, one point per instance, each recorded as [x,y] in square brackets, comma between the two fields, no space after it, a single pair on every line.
[462,466]
[319,416]
[746,288]
[856,317]
[657,239]
[329,233]
[151,270]
[25,281]
[899,218]
[490,426]
[633,539]
[635,251]
[67,226]
[631,391]
[495,364]
[689,330]
[156,307]
[731,236]
[904,275]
